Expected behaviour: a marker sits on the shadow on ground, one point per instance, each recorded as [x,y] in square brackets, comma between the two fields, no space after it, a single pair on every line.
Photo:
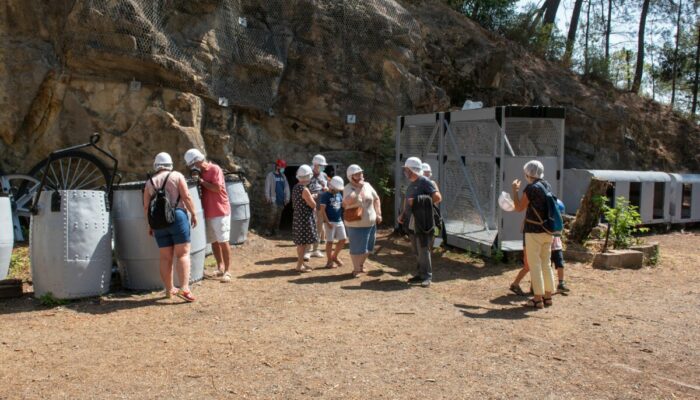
[510,313]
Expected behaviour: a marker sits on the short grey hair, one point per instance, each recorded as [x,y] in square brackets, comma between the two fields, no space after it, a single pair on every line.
[160,167]
[534,169]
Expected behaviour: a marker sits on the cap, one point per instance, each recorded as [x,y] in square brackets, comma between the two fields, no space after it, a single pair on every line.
[281,163]
[319,160]
[337,183]
[414,164]
[304,172]
[162,161]
[352,170]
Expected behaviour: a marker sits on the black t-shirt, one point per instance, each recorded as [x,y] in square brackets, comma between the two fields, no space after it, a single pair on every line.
[537,199]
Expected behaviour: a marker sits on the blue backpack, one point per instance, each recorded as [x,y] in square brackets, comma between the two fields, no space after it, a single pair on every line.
[553,222]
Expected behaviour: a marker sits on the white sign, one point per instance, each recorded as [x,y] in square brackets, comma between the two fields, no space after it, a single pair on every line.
[242,21]
[223,101]
[351,119]
[135,85]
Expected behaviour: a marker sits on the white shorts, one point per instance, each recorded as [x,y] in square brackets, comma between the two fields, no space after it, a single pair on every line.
[218,229]
[336,231]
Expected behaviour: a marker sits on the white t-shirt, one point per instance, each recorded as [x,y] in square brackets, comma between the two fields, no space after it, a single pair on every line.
[368,195]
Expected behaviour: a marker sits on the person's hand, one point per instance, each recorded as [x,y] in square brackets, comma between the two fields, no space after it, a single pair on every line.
[516,185]
[379,219]
[400,219]
[194,220]
[150,232]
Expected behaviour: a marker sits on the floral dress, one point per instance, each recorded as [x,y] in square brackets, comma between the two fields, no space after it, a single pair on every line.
[304,222]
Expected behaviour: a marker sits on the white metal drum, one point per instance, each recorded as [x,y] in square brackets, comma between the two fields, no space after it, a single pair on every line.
[240,210]
[70,244]
[137,253]
[6,236]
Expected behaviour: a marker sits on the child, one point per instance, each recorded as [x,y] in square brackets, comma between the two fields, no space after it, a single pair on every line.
[558,260]
[331,214]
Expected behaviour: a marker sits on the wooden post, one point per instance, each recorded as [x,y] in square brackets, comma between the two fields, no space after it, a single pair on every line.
[588,213]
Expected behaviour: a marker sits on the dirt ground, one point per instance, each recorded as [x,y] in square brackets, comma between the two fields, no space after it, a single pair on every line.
[271,333]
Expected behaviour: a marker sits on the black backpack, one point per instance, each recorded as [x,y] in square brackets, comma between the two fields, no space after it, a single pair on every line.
[160,212]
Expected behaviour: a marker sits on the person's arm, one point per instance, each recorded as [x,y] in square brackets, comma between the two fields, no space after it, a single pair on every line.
[268,187]
[187,200]
[287,192]
[519,203]
[352,199]
[403,211]
[308,198]
[437,197]
[147,195]
[324,217]
[377,203]
[217,186]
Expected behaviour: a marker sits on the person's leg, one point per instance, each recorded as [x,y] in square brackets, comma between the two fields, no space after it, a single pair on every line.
[534,246]
[319,228]
[274,218]
[369,244]
[358,239]
[218,256]
[338,248]
[521,274]
[545,257]
[424,261]
[166,269]
[301,251]
[225,250]
[182,260]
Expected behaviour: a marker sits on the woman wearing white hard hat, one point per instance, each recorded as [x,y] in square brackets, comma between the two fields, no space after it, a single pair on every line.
[331,214]
[174,240]
[318,185]
[428,173]
[538,242]
[304,219]
[362,214]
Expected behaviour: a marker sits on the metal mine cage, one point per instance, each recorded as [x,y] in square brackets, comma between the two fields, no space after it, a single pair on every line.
[476,154]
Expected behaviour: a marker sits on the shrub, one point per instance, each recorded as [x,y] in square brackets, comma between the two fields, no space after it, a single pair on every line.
[624,221]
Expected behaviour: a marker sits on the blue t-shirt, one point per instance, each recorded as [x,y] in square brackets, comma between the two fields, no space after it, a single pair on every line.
[334,204]
[422,185]
[279,189]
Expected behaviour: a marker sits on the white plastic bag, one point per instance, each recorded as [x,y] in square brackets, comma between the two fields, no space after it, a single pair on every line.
[505,202]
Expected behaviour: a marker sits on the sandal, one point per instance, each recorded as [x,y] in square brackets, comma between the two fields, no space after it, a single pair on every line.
[303,268]
[516,289]
[340,263]
[171,293]
[185,295]
[532,303]
[330,265]
[356,274]
[547,301]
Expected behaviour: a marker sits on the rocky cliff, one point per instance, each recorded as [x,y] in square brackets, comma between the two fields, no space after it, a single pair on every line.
[253,80]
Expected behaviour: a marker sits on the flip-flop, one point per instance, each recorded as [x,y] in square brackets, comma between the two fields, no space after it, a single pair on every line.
[304,268]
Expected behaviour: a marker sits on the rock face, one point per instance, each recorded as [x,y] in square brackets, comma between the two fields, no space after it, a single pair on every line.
[250,81]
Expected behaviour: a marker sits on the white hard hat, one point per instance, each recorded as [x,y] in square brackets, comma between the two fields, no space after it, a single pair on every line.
[352,170]
[319,160]
[337,183]
[304,172]
[163,161]
[426,167]
[414,164]
[505,202]
[192,156]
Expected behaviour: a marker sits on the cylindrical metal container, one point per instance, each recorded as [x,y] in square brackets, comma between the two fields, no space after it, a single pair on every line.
[7,236]
[137,253]
[240,210]
[70,244]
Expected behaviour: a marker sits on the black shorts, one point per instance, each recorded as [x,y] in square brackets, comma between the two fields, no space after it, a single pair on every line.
[558,258]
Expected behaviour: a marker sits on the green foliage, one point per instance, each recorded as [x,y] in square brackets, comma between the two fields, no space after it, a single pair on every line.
[624,220]
[495,15]
[379,171]
[497,255]
[49,300]
[654,258]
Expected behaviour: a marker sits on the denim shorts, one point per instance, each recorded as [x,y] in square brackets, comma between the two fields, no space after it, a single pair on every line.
[361,239]
[177,233]
[558,258]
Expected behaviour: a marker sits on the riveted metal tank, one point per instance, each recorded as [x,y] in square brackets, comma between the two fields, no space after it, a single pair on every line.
[70,244]
[7,238]
[240,210]
[137,252]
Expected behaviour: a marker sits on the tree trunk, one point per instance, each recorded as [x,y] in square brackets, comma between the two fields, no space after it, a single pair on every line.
[675,55]
[697,73]
[571,37]
[585,46]
[639,70]
[628,69]
[589,212]
[607,37]
[550,15]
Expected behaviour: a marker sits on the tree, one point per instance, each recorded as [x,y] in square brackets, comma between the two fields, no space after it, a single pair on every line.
[494,15]
[675,53]
[697,70]
[640,48]
[571,37]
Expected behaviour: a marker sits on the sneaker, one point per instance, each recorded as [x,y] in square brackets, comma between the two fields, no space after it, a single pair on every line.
[425,283]
[561,287]
[307,256]
[226,277]
[219,273]
[415,279]
[317,254]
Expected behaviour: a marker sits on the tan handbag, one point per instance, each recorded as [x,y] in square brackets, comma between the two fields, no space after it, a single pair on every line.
[352,214]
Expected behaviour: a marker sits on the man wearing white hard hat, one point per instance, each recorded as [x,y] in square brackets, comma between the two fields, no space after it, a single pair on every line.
[331,212]
[317,185]
[421,195]
[428,173]
[217,209]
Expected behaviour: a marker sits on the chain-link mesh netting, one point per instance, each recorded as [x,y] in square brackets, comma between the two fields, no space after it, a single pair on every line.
[470,176]
[534,137]
[238,51]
